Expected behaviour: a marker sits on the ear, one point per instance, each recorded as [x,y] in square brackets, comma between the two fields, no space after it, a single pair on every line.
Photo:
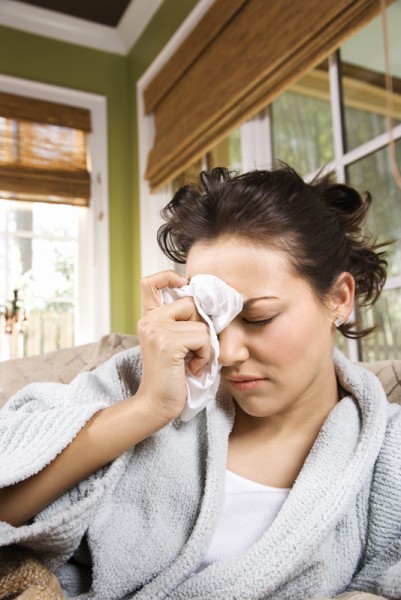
[342,298]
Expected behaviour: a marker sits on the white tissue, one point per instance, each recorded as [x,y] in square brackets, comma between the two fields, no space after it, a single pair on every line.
[218,304]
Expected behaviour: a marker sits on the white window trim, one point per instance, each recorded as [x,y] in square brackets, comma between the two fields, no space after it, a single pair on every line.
[256,150]
[94,279]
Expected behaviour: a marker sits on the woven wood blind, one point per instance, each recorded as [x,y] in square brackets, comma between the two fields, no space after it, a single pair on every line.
[239,57]
[43,151]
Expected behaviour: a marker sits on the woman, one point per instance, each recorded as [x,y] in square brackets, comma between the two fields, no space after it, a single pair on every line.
[288,486]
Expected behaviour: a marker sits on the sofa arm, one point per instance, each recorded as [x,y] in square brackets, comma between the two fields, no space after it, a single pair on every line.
[61,365]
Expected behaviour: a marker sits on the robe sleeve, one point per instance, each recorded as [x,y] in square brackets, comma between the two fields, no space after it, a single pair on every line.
[40,421]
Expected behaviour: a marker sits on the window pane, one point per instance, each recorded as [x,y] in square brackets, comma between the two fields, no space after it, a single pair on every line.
[59,220]
[41,268]
[50,327]
[361,126]
[385,342]
[188,176]
[373,173]
[3,215]
[2,269]
[363,79]
[42,218]
[227,153]
[18,261]
[19,217]
[301,123]
[53,269]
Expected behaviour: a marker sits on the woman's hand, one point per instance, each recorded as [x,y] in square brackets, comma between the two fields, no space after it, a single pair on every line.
[172,336]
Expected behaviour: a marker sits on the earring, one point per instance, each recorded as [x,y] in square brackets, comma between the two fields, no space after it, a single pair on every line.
[338,322]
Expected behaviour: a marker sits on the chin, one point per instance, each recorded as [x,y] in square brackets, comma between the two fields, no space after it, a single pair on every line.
[258,412]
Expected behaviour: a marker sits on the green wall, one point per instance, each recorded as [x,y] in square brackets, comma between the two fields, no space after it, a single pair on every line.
[58,63]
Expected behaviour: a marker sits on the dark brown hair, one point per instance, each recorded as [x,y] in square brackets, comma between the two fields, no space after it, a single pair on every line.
[319,225]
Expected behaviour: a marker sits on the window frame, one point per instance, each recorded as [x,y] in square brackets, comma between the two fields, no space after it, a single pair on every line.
[94,318]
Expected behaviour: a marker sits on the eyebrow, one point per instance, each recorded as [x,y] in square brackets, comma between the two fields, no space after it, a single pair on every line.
[252,301]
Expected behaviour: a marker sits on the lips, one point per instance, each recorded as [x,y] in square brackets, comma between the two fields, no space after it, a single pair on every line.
[245,382]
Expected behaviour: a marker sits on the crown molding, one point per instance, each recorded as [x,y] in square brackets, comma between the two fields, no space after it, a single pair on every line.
[48,23]
[135,19]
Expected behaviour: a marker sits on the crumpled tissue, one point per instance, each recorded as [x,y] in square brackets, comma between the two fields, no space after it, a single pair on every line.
[217,304]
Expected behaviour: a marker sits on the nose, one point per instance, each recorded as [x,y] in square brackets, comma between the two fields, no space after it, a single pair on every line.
[233,347]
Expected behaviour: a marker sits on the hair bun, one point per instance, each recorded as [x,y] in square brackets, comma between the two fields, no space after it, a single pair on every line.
[347,203]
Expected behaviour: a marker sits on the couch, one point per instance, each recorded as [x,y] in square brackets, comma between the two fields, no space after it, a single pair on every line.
[21,574]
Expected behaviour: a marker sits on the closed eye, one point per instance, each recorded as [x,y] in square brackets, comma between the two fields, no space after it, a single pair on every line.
[258,323]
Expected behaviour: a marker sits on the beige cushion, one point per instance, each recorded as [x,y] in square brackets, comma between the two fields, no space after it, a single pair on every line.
[389,373]
[62,365]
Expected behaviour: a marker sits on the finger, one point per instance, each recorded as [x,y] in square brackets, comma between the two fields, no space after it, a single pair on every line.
[169,315]
[179,317]
[183,309]
[151,286]
[180,320]
[197,344]
[199,360]
[191,345]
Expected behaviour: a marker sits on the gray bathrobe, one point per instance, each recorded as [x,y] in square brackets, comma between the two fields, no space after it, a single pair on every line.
[139,527]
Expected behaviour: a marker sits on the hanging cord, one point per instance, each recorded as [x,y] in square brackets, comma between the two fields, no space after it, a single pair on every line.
[389,97]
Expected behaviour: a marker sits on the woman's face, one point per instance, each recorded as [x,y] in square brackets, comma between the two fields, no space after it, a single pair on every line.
[276,355]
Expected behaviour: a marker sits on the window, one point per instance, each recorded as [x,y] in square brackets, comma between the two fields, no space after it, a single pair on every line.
[335,116]
[226,153]
[39,259]
[301,123]
[49,252]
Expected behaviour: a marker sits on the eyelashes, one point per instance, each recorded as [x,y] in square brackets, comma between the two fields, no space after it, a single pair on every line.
[258,323]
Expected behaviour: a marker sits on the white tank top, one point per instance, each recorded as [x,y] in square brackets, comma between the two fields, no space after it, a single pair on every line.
[249,509]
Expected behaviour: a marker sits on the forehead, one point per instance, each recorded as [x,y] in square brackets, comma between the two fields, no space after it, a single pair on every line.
[251,269]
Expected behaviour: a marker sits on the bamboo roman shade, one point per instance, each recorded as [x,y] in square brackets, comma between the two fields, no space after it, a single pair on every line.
[240,56]
[43,151]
